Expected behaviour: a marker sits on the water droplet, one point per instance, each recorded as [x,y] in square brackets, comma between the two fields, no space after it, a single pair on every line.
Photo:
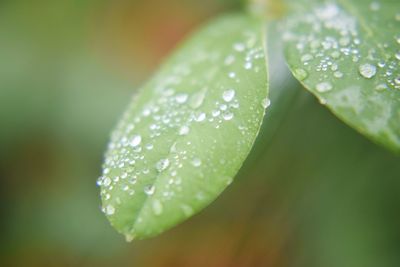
[229,60]
[367,70]
[184,130]
[187,210]
[136,139]
[129,237]
[381,87]
[157,207]
[149,190]
[232,75]
[248,65]
[181,98]
[110,210]
[338,74]
[228,95]
[197,98]
[106,181]
[374,6]
[265,103]
[149,146]
[324,87]
[239,47]
[162,165]
[215,113]
[196,162]
[300,74]
[201,117]
[398,55]
[398,39]
[125,188]
[227,116]
[306,57]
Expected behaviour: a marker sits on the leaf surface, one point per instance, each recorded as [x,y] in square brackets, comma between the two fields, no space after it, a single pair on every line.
[347,53]
[188,130]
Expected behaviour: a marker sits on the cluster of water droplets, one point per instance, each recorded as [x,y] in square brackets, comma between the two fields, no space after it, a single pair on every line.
[335,45]
[152,141]
[353,64]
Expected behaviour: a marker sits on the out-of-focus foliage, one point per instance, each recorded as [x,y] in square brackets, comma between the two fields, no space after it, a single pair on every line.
[68,68]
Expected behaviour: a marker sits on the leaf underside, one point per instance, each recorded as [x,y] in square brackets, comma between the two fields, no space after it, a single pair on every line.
[347,53]
[188,130]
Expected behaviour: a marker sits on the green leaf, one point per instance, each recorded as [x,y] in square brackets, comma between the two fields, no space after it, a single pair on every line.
[347,53]
[189,129]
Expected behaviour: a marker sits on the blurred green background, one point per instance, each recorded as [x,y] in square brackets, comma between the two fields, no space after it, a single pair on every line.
[313,193]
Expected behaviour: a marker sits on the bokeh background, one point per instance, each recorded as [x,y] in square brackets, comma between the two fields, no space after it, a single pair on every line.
[313,193]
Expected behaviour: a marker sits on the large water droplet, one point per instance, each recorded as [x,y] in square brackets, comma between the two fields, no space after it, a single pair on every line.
[367,70]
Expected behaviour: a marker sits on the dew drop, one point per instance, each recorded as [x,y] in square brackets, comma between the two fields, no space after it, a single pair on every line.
[184,130]
[338,74]
[149,146]
[196,100]
[162,165]
[381,87]
[306,57]
[215,113]
[149,190]
[228,95]
[106,181]
[196,162]
[324,87]
[229,60]
[248,65]
[157,207]
[398,37]
[397,55]
[201,117]
[227,116]
[300,74]
[367,70]
[266,102]
[181,98]
[136,139]
[129,237]
[239,47]
[110,210]
[374,6]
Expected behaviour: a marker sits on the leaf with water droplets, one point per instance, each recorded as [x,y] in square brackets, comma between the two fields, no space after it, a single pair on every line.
[347,54]
[188,131]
